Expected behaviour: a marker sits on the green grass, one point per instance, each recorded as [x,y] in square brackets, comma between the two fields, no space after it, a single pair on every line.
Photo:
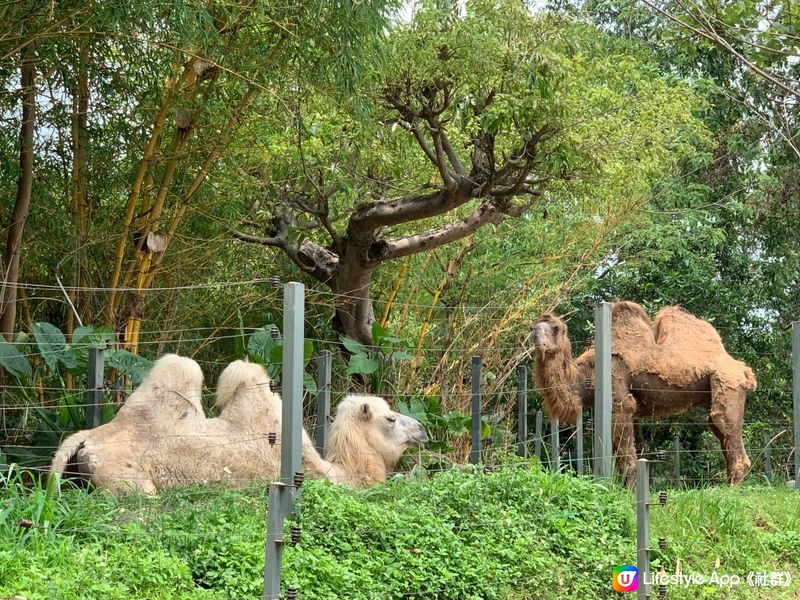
[514,534]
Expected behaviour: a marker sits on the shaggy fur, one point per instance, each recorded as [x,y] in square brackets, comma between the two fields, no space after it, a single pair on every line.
[161,439]
[366,440]
[682,365]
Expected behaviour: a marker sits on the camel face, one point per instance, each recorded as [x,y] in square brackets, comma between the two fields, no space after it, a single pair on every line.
[547,334]
[388,433]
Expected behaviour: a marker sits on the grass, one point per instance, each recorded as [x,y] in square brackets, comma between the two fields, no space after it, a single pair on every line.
[519,533]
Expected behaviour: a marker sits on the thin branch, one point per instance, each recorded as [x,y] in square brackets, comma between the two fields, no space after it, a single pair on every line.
[722,42]
[273,241]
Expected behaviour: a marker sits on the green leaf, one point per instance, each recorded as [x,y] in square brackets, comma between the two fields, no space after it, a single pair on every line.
[53,346]
[415,409]
[362,364]
[379,332]
[401,355]
[80,333]
[353,346]
[12,360]
[261,343]
[310,384]
[133,365]
[92,336]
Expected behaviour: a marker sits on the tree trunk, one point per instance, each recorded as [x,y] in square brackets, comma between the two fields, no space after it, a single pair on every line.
[24,189]
[80,170]
[354,312]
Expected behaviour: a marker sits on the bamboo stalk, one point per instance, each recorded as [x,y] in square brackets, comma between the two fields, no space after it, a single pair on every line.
[133,198]
[424,329]
[198,180]
[398,282]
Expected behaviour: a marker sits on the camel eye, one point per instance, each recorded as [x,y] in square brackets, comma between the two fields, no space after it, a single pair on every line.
[391,419]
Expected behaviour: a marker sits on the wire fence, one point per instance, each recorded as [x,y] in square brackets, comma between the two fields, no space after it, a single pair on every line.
[561,448]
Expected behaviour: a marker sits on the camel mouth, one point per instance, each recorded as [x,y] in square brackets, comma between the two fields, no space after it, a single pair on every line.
[419,438]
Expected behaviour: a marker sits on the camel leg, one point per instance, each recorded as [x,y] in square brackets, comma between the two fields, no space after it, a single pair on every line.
[623,438]
[726,417]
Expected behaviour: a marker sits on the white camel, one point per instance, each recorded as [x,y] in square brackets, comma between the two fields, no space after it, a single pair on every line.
[160,438]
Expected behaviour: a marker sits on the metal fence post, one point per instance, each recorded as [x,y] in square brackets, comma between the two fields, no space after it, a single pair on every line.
[537,438]
[796,397]
[768,456]
[579,441]
[555,462]
[522,412]
[282,495]
[94,387]
[292,382]
[273,549]
[475,452]
[642,528]
[677,460]
[323,400]
[602,392]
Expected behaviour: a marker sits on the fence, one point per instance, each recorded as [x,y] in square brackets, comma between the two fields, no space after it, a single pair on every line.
[283,494]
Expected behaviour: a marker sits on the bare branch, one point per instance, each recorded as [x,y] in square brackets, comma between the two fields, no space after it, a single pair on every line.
[312,258]
[441,164]
[273,241]
[486,212]
[423,143]
[450,151]
[369,217]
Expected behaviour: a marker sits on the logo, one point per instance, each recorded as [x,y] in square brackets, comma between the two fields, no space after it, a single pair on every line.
[625,578]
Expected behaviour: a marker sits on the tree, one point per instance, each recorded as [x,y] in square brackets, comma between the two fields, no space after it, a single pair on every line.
[19,215]
[476,119]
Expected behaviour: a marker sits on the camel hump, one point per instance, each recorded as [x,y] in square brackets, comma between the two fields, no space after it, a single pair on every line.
[676,327]
[238,376]
[625,310]
[699,344]
[630,326]
[170,373]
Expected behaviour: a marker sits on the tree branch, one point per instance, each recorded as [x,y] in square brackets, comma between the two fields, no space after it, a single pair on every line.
[272,241]
[312,258]
[450,151]
[369,217]
[486,212]
[723,43]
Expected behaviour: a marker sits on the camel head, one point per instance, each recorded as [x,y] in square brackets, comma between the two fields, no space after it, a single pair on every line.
[549,334]
[365,426]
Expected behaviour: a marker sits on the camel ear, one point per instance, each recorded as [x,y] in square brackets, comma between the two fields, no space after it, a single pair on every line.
[365,412]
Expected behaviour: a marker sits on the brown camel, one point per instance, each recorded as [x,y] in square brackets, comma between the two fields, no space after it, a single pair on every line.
[160,438]
[682,366]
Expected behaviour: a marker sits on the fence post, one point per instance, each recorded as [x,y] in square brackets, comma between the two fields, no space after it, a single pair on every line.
[555,457]
[522,412]
[273,549]
[677,460]
[94,387]
[323,400]
[292,382]
[796,397]
[282,495]
[579,441]
[537,438]
[768,456]
[475,452]
[642,528]
[602,392]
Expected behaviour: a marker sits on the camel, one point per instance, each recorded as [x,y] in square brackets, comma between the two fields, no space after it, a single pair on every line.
[160,438]
[659,369]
